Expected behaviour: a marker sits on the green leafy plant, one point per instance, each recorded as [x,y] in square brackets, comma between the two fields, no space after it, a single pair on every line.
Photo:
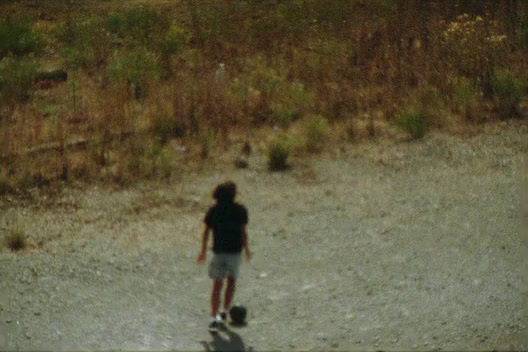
[279,150]
[17,37]
[413,122]
[508,92]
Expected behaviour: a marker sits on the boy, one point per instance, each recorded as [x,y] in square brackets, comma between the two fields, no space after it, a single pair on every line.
[228,221]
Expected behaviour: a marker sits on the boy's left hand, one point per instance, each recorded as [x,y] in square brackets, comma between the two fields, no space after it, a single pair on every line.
[201,257]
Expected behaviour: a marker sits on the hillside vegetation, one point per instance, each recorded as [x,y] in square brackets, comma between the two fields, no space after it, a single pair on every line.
[111,90]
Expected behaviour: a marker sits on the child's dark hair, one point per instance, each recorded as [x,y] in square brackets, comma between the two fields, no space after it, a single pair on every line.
[225,192]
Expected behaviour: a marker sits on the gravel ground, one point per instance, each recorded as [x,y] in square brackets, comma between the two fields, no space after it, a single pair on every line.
[378,246]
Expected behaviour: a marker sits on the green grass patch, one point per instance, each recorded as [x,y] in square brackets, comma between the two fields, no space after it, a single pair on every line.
[413,122]
[17,37]
[279,151]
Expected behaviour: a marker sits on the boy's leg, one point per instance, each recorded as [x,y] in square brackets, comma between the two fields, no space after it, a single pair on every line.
[229,293]
[215,296]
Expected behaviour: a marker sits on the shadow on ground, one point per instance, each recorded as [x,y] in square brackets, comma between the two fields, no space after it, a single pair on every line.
[224,341]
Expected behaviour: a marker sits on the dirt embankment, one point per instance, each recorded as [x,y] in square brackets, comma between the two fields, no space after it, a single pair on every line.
[380,246]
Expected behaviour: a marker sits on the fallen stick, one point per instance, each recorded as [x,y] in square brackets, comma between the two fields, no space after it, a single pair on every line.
[58,146]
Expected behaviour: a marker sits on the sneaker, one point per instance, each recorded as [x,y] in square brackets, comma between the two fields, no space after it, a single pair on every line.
[213,327]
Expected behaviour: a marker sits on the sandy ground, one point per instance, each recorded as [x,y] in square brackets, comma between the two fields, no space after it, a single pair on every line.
[378,246]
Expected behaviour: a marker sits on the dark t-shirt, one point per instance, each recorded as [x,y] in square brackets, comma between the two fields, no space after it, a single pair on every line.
[227,221]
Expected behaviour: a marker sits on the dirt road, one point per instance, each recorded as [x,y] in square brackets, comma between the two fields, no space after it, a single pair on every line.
[382,246]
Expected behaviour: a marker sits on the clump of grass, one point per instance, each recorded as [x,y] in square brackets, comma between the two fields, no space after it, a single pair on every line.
[17,37]
[134,68]
[16,78]
[317,130]
[508,92]
[279,150]
[16,240]
[413,122]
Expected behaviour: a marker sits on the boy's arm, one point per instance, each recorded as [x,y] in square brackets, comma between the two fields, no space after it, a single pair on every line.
[245,243]
[203,252]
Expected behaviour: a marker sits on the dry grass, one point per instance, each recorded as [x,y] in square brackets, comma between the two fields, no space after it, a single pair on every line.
[132,89]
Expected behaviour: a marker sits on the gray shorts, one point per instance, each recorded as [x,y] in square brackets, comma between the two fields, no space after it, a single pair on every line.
[224,265]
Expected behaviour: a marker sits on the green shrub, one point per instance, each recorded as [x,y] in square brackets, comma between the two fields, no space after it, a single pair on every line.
[17,37]
[316,133]
[140,24]
[134,67]
[173,41]
[279,150]
[84,43]
[508,92]
[413,123]
[16,239]
[16,78]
